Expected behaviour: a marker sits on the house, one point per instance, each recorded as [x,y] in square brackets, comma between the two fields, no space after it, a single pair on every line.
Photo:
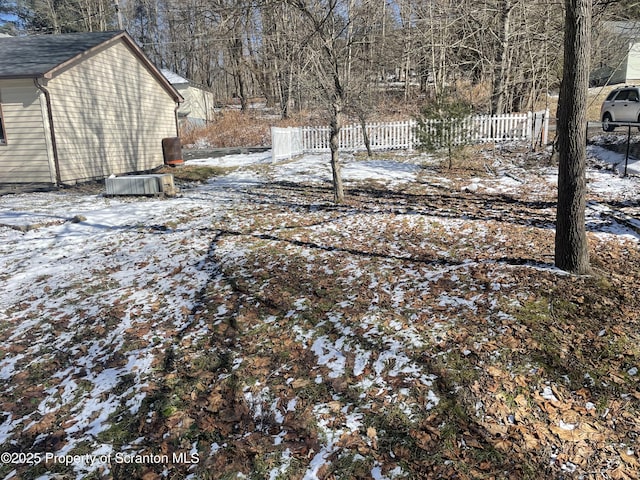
[198,105]
[617,54]
[79,107]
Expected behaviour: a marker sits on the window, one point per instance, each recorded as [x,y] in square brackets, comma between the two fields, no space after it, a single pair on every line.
[3,138]
[622,95]
[611,95]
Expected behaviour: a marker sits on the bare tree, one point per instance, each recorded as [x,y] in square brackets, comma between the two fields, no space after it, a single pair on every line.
[336,40]
[326,35]
[503,58]
[571,247]
[269,47]
[64,16]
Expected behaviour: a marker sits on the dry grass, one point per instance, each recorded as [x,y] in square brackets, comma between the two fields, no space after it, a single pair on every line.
[596,97]
[231,128]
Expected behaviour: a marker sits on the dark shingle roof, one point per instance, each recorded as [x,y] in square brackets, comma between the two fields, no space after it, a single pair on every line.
[33,56]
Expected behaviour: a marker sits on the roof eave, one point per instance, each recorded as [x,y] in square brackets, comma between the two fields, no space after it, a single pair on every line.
[27,76]
[151,67]
[137,51]
[51,72]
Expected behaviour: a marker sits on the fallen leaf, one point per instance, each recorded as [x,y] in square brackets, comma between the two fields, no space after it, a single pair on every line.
[214,402]
[496,429]
[584,431]
[373,436]
[621,473]
[335,406]
[629,459]
[530,442]
[423,439]
[300,383]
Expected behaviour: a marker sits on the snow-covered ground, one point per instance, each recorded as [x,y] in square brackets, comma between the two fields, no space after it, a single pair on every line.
[616,160]
[95,290]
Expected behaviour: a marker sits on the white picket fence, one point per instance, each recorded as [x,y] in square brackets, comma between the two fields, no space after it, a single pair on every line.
[292,141]
[286,142]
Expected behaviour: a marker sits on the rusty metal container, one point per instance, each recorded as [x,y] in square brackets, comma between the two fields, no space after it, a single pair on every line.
[172,151]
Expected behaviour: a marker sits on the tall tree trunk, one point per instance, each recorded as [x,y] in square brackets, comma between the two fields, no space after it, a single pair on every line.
[501,77]
[365,135]
[571,247]
[236,53]
[334,145]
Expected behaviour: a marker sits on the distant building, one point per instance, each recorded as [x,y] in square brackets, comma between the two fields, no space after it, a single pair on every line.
[198,105]
[82,106]
[618,50]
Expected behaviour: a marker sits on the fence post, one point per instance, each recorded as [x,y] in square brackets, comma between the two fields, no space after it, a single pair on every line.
[274,145]
[626,157]
[545,128]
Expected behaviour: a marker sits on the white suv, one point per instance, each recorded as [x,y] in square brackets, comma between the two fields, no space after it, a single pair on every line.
[621,105]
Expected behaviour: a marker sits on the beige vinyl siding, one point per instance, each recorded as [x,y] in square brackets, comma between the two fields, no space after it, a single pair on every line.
[26,156]
[198,103]
[633,64]
[110,115]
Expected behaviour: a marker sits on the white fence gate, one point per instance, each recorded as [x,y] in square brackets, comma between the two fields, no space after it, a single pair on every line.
[292,141]
[286,142]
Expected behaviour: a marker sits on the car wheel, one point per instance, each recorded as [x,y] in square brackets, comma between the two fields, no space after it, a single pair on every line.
[607,126]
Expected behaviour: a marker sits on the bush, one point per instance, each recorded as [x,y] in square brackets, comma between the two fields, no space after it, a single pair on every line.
[443,125]
[230,128]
